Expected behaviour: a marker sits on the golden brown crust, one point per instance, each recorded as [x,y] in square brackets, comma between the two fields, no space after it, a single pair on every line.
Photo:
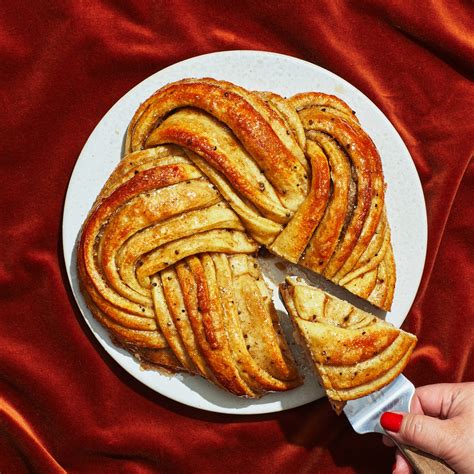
[294,238]
[263,369]
[322,244]
[264,338]
[288,113]
[254,123]
[355,210]
[345,135]
[353,352]
[149,280]
[206,321]
[173,298]
[210,139]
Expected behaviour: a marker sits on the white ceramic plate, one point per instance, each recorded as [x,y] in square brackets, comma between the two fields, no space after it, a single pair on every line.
[286,76]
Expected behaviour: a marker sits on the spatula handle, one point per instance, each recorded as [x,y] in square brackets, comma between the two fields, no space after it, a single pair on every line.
[424,463]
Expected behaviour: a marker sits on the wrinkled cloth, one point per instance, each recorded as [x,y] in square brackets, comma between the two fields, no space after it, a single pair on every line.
[65,405]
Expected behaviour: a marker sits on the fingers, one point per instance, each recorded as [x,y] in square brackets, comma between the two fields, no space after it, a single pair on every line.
[436,399]
[415,406]
[401,466]
[423,432]
[440,423]
[387,442]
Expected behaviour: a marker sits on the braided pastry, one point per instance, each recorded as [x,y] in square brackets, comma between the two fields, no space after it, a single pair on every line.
[211,172]
[353,352]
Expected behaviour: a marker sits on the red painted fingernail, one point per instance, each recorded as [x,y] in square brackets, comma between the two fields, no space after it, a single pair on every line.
[391,421]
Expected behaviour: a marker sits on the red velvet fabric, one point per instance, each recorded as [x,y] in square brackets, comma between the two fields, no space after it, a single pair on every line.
[65,405]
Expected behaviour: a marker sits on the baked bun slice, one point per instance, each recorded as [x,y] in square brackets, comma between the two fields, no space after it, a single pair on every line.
[354,353]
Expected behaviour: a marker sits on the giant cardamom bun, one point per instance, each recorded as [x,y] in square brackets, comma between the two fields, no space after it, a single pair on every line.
[354,353]
[211,172]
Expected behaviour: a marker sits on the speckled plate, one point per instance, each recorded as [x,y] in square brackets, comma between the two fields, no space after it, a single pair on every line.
[285,75]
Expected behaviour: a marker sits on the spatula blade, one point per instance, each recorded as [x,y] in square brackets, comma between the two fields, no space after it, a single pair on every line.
[364,413]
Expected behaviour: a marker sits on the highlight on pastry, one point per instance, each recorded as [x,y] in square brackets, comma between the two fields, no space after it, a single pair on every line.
[354,353]
[211,172]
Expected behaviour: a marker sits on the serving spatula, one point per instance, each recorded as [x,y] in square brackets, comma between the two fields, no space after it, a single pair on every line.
[364,416]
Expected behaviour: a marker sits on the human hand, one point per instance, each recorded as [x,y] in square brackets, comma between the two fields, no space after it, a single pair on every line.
[440,422]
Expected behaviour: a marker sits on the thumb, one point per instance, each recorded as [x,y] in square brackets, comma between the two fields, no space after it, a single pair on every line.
[420,431]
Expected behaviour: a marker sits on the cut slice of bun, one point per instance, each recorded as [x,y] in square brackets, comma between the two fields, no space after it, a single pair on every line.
[354,353]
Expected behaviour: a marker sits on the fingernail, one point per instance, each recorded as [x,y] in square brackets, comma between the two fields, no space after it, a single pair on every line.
[391,421]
